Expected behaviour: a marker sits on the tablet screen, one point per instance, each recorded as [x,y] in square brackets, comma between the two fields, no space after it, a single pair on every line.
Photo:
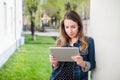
[64,53]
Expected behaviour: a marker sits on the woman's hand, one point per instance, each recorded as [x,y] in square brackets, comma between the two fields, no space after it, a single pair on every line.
[79,60]
[53,60]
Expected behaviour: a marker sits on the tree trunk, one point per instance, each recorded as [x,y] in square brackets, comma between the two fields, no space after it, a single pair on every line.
[33,29]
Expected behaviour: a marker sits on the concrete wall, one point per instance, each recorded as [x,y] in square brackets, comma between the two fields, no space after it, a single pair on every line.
[104,26]
[10,28]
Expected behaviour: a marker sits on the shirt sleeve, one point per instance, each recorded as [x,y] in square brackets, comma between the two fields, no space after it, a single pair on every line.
[91,53]
[87,67]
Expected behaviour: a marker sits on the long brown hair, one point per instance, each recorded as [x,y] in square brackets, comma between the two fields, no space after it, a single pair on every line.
[64,38]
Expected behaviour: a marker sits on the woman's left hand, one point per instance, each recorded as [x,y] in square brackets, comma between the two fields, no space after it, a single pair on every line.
[79,60]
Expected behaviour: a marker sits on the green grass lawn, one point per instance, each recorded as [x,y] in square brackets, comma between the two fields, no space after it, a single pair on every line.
[31,62]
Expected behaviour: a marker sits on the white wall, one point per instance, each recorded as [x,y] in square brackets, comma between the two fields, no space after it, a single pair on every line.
[104,27]
[10,27]
[6,25]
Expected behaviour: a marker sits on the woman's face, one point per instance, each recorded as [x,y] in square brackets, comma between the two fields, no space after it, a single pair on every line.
[71,28]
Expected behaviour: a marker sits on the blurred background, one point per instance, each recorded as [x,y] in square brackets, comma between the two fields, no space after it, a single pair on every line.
[48,13]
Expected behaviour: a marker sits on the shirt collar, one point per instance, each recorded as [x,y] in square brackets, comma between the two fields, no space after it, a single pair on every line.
[76,44]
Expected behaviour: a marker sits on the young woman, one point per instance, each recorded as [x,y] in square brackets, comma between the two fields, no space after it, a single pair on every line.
[72,35]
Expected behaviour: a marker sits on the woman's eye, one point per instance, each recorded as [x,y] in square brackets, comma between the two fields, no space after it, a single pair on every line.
[73,27]
[66,27]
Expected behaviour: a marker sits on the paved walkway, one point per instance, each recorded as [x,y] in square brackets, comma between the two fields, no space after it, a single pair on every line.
[48,32]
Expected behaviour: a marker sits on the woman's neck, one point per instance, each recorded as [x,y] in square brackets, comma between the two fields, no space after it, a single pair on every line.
[72,41]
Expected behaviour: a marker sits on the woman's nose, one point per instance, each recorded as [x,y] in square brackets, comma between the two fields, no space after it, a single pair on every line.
[70,30]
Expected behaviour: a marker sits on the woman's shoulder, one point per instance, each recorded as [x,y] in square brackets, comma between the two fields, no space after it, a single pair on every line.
[90,39]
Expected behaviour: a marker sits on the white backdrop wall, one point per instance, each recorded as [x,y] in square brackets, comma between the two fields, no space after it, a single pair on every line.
[104,27]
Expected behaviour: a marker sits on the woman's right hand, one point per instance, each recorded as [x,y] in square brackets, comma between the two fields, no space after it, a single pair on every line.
[53,60]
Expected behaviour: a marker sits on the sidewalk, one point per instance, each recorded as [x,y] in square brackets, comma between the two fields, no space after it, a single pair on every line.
[48,32]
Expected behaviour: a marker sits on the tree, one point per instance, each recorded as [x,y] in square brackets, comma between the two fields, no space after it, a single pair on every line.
[67,6]
[31,7]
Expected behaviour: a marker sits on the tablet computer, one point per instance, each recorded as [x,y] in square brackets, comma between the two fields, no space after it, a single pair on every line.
[64,53]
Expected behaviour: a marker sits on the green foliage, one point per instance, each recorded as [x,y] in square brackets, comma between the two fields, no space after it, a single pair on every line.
[31,62]
[31,8]
[31,5]
[57,7]
[37,17]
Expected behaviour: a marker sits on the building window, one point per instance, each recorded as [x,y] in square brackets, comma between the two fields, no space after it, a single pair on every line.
[5,18]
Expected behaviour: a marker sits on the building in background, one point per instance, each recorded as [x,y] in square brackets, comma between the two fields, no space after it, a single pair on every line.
[10,28]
